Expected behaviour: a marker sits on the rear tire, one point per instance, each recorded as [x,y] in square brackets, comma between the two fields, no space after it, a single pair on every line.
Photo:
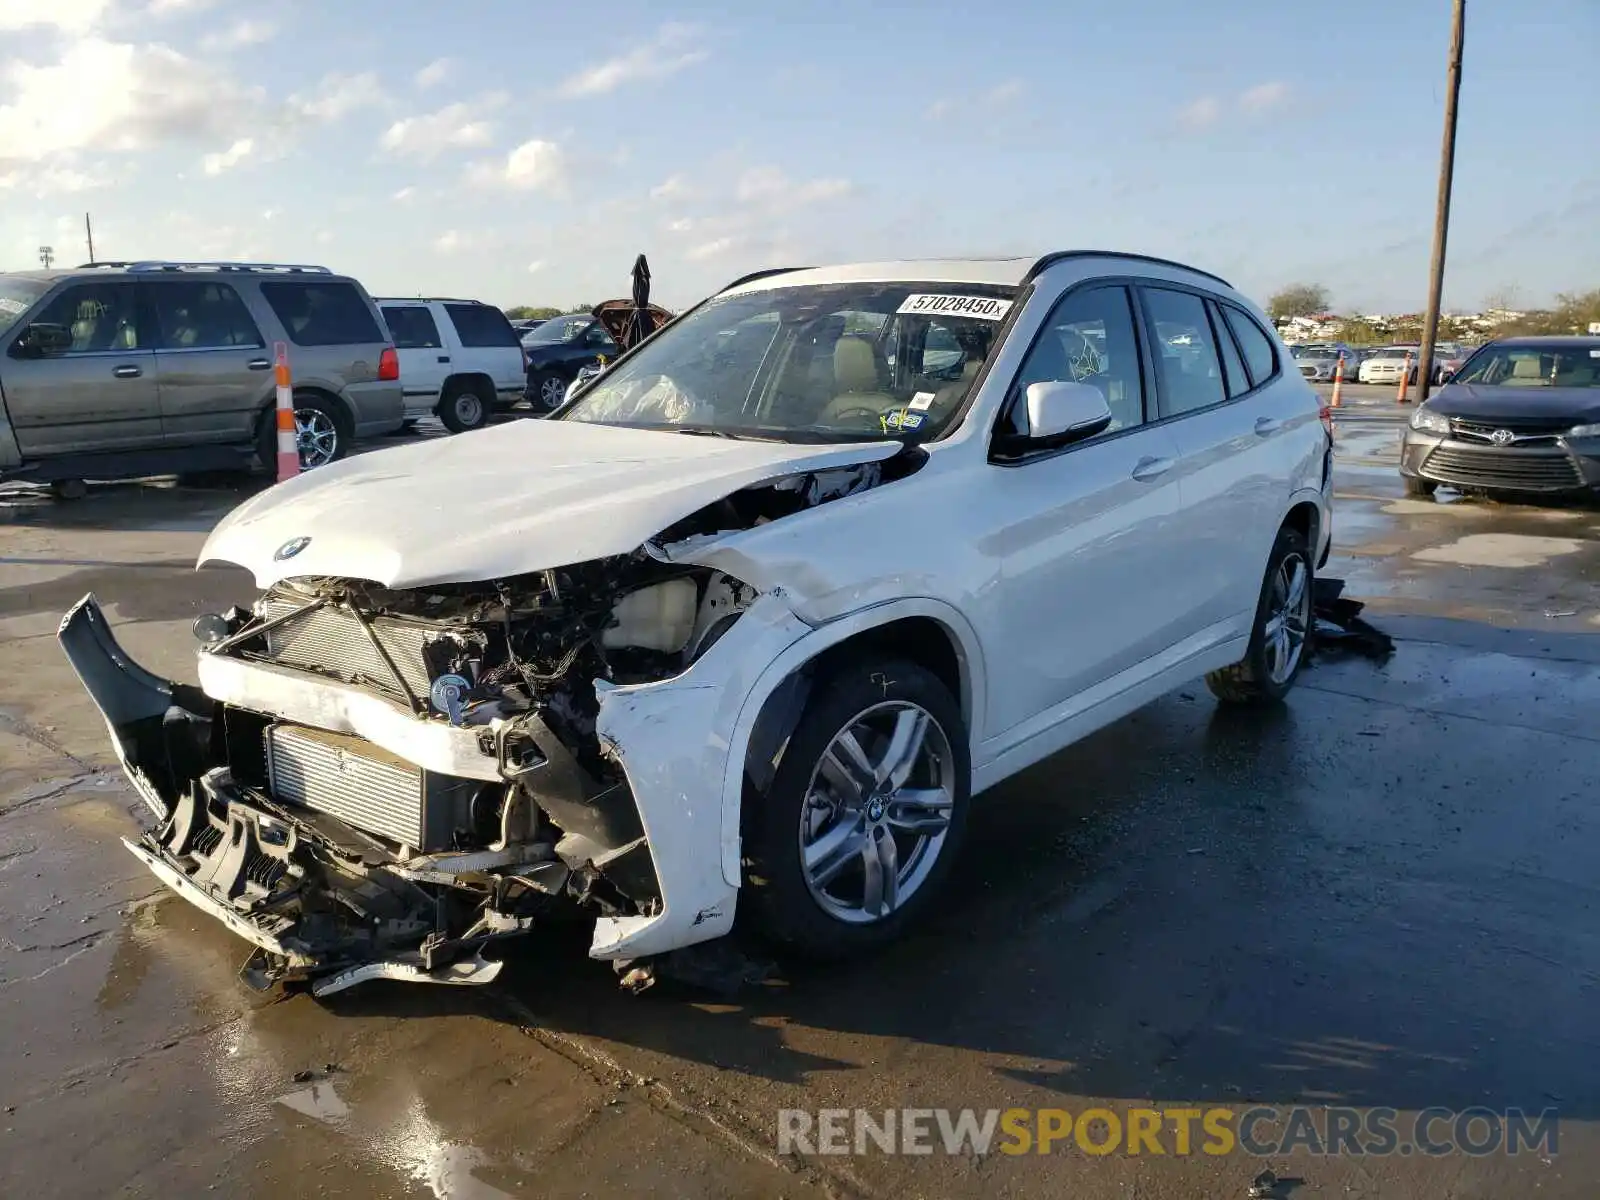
[1417,487]
[464,407]
[1281,631]
[323,418]
[806,814]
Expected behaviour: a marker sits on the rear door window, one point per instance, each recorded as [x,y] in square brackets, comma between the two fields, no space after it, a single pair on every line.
[412,327]
[1259,356]
[202,315]
[326,313]
[482,325]
[1238,382]
[1187,370]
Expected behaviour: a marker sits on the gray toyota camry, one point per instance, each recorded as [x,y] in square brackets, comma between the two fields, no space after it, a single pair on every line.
[1521,415]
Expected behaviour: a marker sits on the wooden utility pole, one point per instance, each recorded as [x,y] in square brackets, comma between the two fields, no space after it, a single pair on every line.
[1441,216]
[88,232]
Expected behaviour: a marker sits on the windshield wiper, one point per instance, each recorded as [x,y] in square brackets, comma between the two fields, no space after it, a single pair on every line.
[702,431]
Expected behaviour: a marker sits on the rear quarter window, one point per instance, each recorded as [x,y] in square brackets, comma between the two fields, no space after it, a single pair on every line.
[323,313]
[482,325]
[1260,359]
[412,327]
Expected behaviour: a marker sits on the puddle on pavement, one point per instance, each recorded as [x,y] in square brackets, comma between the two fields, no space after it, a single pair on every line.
[414,1147]
[1509,550]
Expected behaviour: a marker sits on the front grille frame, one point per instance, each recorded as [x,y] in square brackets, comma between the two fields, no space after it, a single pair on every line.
[1512,468]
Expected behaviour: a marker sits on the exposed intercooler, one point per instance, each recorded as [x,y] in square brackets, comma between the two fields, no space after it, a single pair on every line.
[367,787]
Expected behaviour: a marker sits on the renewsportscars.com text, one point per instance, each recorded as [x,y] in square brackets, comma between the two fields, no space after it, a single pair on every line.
[1260,1131]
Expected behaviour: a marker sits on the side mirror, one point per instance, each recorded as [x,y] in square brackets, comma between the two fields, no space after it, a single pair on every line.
[42,340]
[1065,412]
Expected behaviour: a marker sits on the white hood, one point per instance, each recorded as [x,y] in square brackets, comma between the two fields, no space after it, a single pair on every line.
[502,501]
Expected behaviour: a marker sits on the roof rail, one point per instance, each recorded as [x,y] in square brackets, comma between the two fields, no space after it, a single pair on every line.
[755,275]
[156,264]
[1050,260]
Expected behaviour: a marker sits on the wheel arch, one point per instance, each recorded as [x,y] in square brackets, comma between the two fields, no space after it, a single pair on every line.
[339,403]
[928,632]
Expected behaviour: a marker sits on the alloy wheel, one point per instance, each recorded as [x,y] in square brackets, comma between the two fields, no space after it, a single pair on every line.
[551,392]
[1283,636]
[316,436]
[877,812]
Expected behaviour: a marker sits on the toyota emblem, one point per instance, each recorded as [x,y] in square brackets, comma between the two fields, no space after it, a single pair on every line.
[1502,437]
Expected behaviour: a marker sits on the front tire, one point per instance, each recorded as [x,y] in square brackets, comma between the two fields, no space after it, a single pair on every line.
[464,407]
[1417,487]
[857,834]
[1281,630]
[548,390]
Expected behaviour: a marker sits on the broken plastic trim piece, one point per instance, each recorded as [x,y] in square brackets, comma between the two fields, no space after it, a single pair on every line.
[462,973]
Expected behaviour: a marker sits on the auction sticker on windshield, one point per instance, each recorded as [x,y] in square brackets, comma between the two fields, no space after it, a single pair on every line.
[985,308]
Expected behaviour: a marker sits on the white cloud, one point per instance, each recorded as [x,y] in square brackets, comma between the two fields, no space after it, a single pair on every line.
[324,238]
[535,166]
[163,8]
[43,182]
[268,214]
[536,266]
[435,72]
[216,164]
[404,194]
[453,127]
[670,52]
[1003,93]
[1197,114]
[111,97]
[712,249]
[681,225]
[237,36]
[69,16]
[337,96]
[769,185]
[671,189]
[1264,96]
[448,242]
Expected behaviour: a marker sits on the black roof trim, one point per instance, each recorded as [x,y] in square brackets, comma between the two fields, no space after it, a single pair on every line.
[755,275]
[1050,260]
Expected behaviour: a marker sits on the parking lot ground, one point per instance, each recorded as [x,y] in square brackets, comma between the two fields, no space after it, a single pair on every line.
[1383,895]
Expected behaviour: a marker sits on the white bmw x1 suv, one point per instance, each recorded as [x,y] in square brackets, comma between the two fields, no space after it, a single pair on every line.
[744,625]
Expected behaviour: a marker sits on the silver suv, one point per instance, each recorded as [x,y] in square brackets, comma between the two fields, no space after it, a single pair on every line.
[116,370]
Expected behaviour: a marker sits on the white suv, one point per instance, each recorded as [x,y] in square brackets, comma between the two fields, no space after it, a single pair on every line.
[459,359]
[745,624]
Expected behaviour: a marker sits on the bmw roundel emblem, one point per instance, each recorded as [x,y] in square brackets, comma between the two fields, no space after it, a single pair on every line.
[290,548]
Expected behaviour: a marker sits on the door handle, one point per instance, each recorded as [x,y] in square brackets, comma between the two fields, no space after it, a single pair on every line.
[444,358]
[1266,426]
[259,364]
[1149,468]
[127,371]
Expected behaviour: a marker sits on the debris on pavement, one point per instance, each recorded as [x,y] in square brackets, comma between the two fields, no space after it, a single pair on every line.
[1336,623]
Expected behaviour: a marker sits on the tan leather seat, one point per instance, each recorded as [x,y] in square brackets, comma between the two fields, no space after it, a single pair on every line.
[1525,371]
[855,375]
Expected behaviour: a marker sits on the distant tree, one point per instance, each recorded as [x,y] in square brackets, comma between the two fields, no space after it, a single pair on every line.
[1505,298]
[526,312]
[1358,332]
[1298,300]
[577,308]
[1573,313]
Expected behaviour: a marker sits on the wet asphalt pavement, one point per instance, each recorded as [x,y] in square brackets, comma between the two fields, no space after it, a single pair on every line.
[1384,894]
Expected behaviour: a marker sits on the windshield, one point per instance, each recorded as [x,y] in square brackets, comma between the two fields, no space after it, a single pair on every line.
[1396,352]
[1316,352]
[1534,366]
[558,330]
[834,362]
[17,296]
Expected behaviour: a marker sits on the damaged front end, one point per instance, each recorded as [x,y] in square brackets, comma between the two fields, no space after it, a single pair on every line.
[375,783]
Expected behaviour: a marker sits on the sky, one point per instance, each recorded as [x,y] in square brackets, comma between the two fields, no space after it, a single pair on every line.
[524,153]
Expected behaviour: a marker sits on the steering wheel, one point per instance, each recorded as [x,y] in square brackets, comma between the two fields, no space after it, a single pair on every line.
[844,414]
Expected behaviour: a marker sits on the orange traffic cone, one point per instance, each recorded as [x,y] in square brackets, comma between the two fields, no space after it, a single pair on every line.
[1338,383]
[1405,378]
